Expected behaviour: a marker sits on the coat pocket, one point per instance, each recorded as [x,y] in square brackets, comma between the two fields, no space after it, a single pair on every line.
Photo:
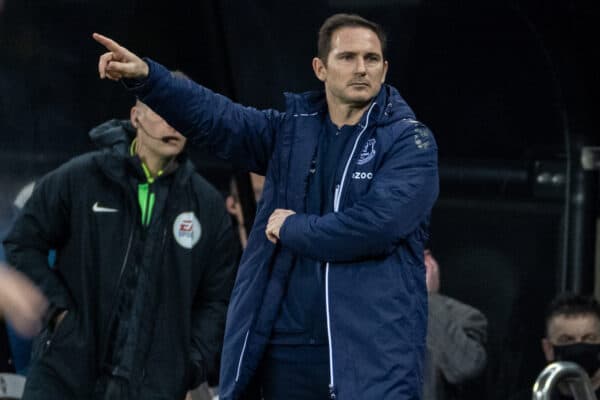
[50,334]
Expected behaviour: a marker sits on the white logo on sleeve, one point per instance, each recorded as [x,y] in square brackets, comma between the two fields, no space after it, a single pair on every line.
[99,209]
[422,139]
[187,230]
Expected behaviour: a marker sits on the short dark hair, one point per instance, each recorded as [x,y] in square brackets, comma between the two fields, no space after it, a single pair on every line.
[338,21]
[571,305]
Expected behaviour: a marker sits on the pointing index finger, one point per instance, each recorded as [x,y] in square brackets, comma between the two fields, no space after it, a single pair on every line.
[108,43]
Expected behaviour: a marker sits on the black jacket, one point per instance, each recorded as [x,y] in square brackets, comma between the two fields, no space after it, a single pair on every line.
[178,288]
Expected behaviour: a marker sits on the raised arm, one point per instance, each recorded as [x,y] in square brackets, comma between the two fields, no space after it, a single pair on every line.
[241,135]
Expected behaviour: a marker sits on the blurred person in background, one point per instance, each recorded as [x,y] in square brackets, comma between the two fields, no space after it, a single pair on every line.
[20,346]
[573,334]
[144,268]
[456,339]
[233,203]
[22,303]
[23,307]
[258,183]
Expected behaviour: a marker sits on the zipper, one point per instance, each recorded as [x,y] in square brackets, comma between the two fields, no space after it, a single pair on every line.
[115,299]
[50,336]
[125,258]
[239,367]
[336,206]
[340,186]
[331,381]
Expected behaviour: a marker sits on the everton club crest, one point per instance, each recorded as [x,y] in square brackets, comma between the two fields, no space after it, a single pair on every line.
[367,153]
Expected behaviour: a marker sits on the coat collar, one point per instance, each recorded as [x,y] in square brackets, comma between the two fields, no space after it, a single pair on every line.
[389,107]
[113,138]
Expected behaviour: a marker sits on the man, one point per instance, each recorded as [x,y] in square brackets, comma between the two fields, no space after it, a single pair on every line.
[143,272]
[573,334]
[330,298]
[456,338]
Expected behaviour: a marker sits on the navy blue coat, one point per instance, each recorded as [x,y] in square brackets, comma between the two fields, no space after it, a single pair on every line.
[373,243]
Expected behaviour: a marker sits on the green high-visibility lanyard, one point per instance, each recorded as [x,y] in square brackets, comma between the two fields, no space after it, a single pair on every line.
[146,197]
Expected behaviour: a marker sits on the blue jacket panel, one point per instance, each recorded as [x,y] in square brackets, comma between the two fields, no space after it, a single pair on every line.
[373,243]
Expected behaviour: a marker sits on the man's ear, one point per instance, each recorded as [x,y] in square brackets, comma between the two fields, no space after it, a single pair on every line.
[133,116]
[548,350]
[231,205]
[319,68]
[385,70]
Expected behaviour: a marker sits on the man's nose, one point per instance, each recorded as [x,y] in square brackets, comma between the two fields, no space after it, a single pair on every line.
[360,66]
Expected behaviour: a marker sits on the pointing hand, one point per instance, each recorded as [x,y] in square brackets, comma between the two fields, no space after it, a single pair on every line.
[119,62]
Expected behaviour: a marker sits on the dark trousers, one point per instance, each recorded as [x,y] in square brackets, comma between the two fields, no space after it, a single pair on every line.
[294,373]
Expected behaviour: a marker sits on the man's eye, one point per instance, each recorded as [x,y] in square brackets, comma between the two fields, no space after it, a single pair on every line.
[563,341]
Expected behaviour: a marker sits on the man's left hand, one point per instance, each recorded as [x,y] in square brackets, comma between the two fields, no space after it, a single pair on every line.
[275,223]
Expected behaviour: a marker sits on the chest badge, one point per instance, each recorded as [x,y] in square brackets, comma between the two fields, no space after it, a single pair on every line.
[187,230]
[367,153]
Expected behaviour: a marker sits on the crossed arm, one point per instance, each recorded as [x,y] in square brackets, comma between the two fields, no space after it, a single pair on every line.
[396,204]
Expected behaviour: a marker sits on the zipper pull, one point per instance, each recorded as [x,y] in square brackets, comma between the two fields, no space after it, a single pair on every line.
[313,166]
[332,392]
[336,198]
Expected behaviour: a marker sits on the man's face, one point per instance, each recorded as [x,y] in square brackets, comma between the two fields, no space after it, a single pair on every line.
[355,67]
[571,329]
[155,137]
[564,330]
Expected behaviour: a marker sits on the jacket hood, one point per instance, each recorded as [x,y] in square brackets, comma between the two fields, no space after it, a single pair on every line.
[115,134]
[114,137]
[389,105]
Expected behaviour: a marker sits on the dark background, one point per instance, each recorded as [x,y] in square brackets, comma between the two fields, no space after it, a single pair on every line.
[510,89]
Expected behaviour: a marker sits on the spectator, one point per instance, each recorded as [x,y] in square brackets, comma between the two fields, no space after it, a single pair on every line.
[234,207]
[456,338]
[573,334]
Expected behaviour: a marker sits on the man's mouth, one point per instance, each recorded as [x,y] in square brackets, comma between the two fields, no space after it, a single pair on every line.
[170,139]
[360,84]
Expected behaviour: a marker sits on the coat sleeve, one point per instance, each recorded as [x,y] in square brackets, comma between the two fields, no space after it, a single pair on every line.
[42,225]
[456,338]
[241,135]
[210,305]
[399,200]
